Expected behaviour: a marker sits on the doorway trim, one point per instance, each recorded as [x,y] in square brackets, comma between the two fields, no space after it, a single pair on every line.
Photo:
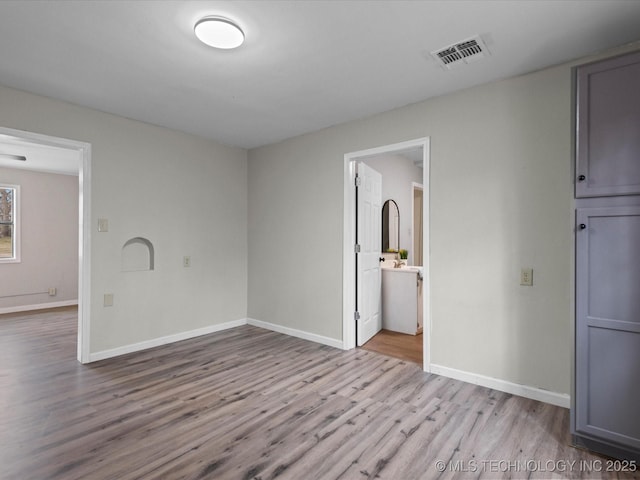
[84,228]
[415,186]
[349,236]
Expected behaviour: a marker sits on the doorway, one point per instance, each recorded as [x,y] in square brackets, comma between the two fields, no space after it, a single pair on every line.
[417,217]
[350,281]
[398,345]
[78,154]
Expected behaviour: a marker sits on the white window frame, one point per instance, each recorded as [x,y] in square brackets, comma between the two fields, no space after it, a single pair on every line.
[16,224]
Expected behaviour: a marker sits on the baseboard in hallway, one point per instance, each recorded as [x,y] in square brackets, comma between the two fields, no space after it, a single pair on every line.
[38,306]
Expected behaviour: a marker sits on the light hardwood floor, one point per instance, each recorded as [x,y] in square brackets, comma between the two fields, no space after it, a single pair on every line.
[397,345]
[248,403]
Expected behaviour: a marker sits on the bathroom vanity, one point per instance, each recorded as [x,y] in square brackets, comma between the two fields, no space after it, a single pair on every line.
[402,299]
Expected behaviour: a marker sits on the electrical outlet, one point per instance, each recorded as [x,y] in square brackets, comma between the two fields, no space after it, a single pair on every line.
[108,299]
[52,292]
[526,277]
[186,261]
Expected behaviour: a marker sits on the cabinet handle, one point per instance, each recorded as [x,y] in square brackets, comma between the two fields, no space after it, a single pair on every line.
[582,226]
[581,178]
[381,259]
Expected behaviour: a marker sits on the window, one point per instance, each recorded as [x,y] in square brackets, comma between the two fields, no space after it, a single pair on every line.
[9,227]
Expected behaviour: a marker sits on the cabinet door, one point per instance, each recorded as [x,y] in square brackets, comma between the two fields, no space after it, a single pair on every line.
[608,127]
[608,324]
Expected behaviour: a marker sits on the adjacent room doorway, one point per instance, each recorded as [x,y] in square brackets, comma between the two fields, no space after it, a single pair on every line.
[82,152]
[354,283]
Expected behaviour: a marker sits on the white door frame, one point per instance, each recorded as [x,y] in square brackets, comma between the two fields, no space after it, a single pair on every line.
[415,186]
[349,237]
[84,230]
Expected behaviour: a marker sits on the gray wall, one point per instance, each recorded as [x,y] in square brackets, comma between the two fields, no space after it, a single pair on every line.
[48,240]
[501,199]
[187,195]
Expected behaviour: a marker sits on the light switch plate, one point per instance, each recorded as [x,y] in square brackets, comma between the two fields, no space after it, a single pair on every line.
[186,261]
[526,277]
[103,225]
[108,299]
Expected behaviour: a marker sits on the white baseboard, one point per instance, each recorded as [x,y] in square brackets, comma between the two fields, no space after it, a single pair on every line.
[554,398]
[156,342]
[312,337]
[38,306]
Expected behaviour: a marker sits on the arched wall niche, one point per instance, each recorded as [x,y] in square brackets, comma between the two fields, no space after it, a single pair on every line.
[137,255]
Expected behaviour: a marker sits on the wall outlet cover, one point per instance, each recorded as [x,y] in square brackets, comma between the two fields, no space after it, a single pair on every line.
[526,277]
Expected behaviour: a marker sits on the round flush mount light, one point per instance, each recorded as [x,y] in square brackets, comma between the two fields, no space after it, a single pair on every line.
[219,32]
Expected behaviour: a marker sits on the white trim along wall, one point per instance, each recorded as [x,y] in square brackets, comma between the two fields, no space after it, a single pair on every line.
[136,347]
[39,306]
[553,398]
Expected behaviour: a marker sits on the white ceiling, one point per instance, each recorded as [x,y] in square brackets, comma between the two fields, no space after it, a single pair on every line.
[42,158]
[305,65]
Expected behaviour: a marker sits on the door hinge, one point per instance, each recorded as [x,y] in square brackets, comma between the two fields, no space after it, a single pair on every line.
[356,315]
[358,180]
[356,248]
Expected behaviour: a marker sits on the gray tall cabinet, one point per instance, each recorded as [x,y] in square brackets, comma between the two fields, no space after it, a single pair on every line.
[606,400]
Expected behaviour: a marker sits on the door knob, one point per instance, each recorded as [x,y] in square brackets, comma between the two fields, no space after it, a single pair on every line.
[582,226]
[582,178]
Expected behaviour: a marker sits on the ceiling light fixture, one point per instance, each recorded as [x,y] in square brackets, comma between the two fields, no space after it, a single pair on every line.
[219,32]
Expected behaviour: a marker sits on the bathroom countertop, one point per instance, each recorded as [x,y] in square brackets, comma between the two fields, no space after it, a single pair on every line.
[405,269]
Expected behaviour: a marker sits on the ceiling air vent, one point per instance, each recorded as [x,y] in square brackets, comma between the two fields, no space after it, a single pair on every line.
[467,51]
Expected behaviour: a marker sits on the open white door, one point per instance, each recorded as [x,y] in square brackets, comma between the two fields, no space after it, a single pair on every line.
[369,194]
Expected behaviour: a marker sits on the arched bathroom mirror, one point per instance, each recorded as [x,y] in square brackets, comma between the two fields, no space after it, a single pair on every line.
[390,226]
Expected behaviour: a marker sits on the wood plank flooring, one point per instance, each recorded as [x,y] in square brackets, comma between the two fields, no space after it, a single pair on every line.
[397,345]
[248,404]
